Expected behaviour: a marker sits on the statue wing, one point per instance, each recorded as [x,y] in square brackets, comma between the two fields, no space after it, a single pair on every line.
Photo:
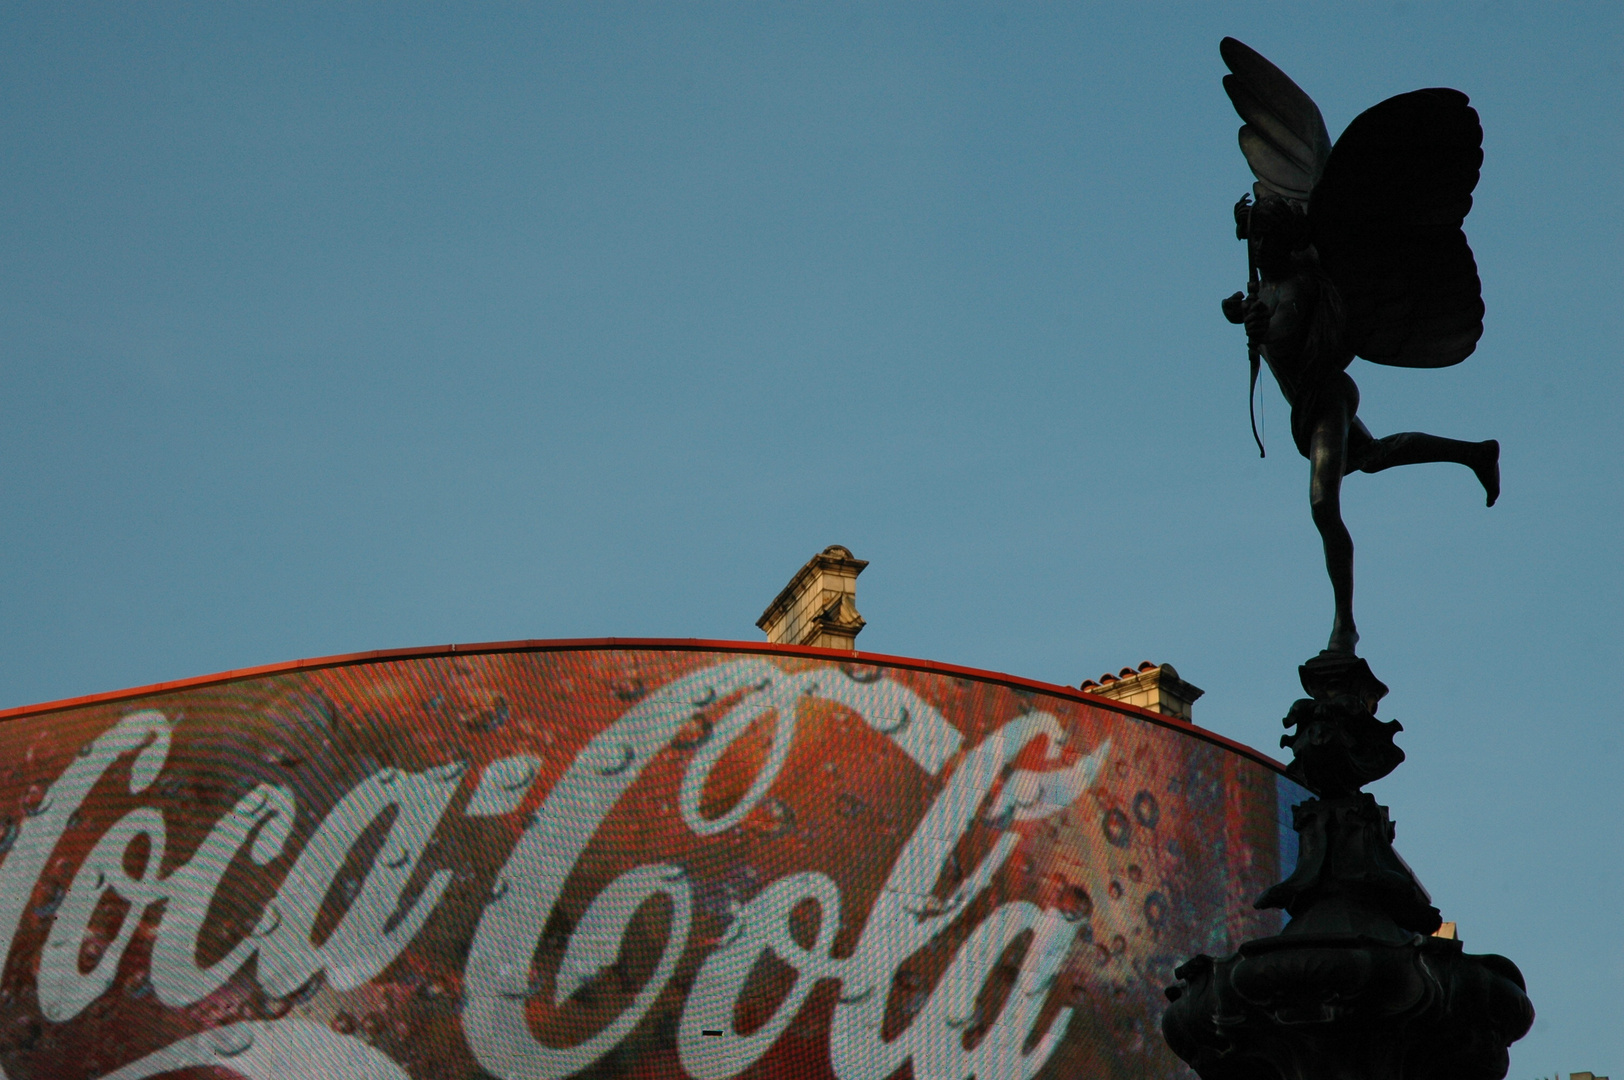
[1284,137]
[1386,219]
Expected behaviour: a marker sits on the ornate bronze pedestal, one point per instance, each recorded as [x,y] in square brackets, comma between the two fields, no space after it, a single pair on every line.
[1355,987]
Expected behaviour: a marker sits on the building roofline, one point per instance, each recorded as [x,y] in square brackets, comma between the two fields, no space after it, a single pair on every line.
[665,644]
[835,555]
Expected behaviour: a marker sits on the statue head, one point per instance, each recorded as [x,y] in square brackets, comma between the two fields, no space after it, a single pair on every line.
[1277,228]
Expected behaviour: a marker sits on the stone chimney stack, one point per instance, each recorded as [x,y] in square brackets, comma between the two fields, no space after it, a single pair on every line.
[1153,686]
[819,605]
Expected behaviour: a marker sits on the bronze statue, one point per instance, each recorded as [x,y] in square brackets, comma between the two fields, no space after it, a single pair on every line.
[1355,250]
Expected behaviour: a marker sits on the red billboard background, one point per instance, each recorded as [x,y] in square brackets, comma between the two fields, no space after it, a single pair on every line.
[659,859]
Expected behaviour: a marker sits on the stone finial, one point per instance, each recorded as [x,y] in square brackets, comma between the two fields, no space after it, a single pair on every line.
[1152,686]
[819,605]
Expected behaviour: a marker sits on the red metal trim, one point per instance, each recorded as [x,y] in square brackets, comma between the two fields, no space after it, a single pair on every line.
[667,644]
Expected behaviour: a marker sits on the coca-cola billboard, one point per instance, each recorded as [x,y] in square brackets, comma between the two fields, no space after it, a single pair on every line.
[649,859]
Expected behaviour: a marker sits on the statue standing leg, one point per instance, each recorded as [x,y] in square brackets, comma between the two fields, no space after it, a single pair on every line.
[1327,461]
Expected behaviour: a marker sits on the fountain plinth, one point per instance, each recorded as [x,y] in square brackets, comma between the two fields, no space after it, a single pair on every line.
[1355,987]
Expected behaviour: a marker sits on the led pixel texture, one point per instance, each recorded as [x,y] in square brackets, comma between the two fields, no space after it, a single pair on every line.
[650,861]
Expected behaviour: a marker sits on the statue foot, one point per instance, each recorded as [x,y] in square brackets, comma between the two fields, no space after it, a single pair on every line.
[1487,469]
[1344,639]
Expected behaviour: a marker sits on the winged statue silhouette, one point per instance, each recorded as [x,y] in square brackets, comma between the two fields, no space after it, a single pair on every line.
[1355,249]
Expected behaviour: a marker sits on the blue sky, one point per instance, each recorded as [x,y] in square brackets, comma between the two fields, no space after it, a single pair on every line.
[336,328]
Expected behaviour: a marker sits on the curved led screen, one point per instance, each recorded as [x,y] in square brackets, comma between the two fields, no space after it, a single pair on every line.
[612,860]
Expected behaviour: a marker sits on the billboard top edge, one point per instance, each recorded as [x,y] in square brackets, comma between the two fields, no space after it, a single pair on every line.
[664,644]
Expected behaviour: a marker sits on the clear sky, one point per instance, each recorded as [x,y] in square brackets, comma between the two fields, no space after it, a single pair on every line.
[336,328]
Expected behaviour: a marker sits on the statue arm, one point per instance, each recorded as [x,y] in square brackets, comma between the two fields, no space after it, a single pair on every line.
[1235,308]
[1264,322]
